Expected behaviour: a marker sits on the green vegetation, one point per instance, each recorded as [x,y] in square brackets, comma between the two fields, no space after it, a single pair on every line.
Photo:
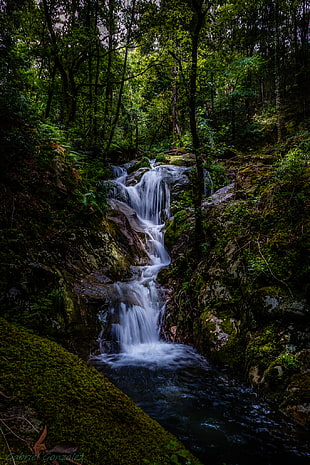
[77,404]
[129,90]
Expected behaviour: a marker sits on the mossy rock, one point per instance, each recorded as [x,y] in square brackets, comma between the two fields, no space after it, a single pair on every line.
[264,347]
[297,399]
[143,163]
[77,404]
[232,354]
[279,372]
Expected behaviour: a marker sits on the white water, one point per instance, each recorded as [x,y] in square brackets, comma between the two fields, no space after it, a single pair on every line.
[137,304]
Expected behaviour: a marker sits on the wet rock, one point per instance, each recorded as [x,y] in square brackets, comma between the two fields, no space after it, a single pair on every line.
[278,305]
[300,413]
[221,195]
[217,336]
[135,176]
[241,302]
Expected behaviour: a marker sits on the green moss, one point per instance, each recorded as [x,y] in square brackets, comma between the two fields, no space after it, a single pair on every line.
[77,404]
[207,325]
[160,158]
[173,233]
[263,349]
[176,227]
[278,375]
[232,353]
[143,163]
[227,326]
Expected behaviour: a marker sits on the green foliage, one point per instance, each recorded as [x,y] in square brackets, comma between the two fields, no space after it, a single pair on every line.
[177,456]
[183,203]
[206,132]
[160,158]
[94,200]
[263,349]
[218,175]
[288,360]
[186,141]
[52,132]
[51,56]
[143,163]
[294,164]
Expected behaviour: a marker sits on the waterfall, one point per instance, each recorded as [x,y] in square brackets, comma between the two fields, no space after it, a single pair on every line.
[219,419]
[137,304]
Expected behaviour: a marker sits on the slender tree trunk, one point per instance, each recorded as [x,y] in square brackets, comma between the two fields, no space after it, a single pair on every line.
[97,73]
[212,92]
[136,133]
[176,133]
[121,89]
[50,93]
[72,98]
[278,101]
[67,77]
[198,184]
[108,90]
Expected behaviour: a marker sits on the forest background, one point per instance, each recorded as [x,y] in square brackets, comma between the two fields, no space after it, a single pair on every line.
[86,84]
[112,79]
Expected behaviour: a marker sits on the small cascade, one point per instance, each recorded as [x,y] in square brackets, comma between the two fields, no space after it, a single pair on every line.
[137,304]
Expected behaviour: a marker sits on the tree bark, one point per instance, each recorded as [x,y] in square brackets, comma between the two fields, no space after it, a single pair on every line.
[198,20]
[176,133]
[108,90]
[50,93]
[278,102]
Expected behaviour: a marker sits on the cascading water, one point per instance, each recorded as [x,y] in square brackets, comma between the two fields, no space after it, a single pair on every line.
[137,304]
[219,419]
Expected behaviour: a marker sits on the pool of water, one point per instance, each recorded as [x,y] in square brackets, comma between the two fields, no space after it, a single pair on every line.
[218,418]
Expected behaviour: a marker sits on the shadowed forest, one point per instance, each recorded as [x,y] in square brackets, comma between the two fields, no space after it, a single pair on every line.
[217,90]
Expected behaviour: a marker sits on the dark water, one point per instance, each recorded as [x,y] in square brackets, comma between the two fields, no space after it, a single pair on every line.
[220,420]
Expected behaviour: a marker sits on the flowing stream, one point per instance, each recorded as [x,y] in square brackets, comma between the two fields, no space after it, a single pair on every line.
[219,419]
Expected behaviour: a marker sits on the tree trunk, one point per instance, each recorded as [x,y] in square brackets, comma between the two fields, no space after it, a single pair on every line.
[198,183]
[278,102]
[176,133]
[121,89]
[50,93]
[108,90]
[67,77]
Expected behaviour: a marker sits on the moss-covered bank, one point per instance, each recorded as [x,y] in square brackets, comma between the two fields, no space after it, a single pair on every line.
[244,301]
[42,384]
[55,231]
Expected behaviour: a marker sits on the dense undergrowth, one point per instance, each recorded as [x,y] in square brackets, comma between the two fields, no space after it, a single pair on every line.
[48,198]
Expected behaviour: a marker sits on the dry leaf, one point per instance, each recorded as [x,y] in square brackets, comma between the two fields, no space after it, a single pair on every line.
[39,446]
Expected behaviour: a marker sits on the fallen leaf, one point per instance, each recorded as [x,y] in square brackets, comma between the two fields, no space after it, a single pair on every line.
[39,446]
